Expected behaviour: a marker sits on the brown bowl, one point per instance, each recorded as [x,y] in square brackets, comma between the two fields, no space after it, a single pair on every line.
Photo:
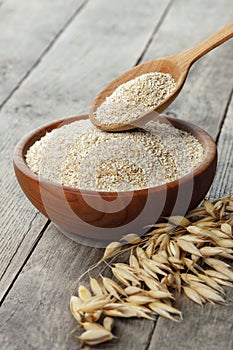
[109,215]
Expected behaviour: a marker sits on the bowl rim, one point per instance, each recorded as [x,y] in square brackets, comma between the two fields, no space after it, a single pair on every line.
[209,146]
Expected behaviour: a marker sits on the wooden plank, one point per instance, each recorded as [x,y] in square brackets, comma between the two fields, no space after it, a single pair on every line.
[64,83]
[47,275]
[27,29]
[209,327]
[40,336]
[37,307]
[86,58]
[26,32]
[202,101]
[223,183]
[208,87]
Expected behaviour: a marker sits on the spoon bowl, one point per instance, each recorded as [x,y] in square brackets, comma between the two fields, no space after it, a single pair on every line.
[178,66]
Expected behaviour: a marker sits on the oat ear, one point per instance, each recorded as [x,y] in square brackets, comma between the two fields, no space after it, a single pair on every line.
[112,249]
[184,258]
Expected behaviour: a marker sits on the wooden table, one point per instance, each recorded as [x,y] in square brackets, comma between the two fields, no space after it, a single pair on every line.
[54,57]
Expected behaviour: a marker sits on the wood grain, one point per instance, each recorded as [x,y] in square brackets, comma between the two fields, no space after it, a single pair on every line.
[27,29]
[209,327]
[177,66]
[208,86]
[62,84]
[18,216]
[223,183]
[35,313]
[204,99]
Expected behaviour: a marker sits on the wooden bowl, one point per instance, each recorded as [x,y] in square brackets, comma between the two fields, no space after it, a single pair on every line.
[108,215]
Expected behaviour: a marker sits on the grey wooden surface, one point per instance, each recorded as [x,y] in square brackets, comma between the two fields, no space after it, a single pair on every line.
[54,57]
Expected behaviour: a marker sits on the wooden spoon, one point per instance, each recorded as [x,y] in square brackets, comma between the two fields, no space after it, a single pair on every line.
[178,66]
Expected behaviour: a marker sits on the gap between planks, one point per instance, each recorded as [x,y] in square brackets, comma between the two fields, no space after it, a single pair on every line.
[154,32]
[74,12]
[224,116]
[134,54]
[18,86]
[144,31]
[43,54]
[29,228]
[40,235]
[38,61]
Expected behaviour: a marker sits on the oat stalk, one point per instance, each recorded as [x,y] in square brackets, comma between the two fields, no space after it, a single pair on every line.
[188,255]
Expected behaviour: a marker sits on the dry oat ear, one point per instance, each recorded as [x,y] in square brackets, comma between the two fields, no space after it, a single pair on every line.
[112,249]
[108,323]
[188,258]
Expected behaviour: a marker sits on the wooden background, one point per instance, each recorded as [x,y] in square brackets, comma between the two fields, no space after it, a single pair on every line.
[54,58]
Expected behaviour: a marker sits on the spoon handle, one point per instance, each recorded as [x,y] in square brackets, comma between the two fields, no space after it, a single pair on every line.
[190,56]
